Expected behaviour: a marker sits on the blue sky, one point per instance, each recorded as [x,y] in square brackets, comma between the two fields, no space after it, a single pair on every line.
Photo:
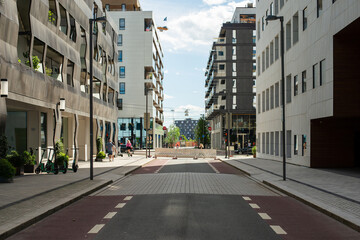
[193,26]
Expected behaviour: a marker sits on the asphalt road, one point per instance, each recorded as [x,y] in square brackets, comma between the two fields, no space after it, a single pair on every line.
[187,199]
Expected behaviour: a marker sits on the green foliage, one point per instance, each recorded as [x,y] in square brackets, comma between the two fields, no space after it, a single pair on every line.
[200,130]
[6,169]
[28,158]
[15,159]
[253,150]
[61,158]
[172,135]
[35,60]
[48,71]
[4,146]
[99,144]
[101,155]
[59,147]
[52,17]
[184,138]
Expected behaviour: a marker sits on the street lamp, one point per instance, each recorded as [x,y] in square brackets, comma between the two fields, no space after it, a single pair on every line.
[281,18]
[147,118]
[4,87]
[91,21]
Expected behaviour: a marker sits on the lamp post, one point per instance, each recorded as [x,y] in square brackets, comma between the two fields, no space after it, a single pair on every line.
[147,119]
[281,18]
[91,21]
[4,87]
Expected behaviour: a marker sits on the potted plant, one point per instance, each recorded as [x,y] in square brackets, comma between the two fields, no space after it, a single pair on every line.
[7,171]
[17,161]
[62,159]
[100,154]
[4,147]
[29,162]
[254,151]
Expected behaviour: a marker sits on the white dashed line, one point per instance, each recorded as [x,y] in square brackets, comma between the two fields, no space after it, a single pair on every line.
[264,216]
[278,229]
[253,205]
[213,168]
[110,215]
[96,228]
[127,198]
[120,205]
[247,198]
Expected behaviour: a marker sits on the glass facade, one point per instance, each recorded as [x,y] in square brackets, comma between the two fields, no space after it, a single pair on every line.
[132,129]
[243,130]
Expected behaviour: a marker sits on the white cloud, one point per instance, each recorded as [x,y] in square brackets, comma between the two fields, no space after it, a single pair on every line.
[214,2]
[177,73]
[168,96]
[166,71]
[196,31]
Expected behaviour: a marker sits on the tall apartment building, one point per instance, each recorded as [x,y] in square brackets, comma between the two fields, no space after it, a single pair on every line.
[230,80]
[140,62]
[322,86]
[187,127]
[44,55]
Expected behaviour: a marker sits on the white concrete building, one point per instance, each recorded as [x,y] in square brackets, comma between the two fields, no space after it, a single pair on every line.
[140,62]
[322,86]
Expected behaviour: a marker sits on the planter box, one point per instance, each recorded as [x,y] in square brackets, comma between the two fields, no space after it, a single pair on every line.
[98,159]
[6,180]
[29,168]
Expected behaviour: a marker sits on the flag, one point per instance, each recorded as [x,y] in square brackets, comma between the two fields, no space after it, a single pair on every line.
[165,19]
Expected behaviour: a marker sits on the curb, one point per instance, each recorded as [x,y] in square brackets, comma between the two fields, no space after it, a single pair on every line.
[241,170]
[315,206]
[50,211]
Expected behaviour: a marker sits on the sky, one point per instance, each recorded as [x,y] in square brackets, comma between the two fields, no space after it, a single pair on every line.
[193,26]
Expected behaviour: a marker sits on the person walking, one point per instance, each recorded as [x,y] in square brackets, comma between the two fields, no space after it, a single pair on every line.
[128,148]
[114,151]
[109,150]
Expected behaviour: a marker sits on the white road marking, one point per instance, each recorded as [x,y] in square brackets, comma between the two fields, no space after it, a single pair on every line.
[247,198]
[278,229]
[110,215]
[253,205]
[213,168]
[120,205]
[157,171]
[264,216]
[96,228]
[127,198]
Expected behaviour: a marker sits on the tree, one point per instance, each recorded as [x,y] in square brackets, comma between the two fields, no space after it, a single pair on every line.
[172,135]
[201,132]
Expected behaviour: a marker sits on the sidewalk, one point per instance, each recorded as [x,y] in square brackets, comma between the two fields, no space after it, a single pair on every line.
[32,197]
[332,191]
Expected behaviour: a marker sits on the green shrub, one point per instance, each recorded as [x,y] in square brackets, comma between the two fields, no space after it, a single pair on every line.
[253,150]
[6,169]
[101,155]
[4,146]
[15,159]
[99,144]
[28,158]
[61,158]
[59,147]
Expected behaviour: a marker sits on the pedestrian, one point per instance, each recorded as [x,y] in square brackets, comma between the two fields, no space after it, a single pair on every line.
[109,149]
[114,151]
[128,148]
[201,146]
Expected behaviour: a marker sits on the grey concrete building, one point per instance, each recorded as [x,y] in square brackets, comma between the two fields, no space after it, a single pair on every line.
[230,81]
[44,55]
[322,101]
[187,127]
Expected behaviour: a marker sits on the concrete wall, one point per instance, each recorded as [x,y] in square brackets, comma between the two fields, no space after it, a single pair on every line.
[185,153]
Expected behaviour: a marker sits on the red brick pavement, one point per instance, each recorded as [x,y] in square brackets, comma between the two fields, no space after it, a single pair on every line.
[224,168]
[151,167]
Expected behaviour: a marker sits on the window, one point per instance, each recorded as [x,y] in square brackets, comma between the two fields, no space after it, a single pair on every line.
[123,7]
[303,145]
[63,20]
[72,29]
[271,8]
[221,66]
[266,14]
[120,40]
[121,23]
[276,7]
[234,67]
[267,100]
[259,98]
[258,30]
[281,4]
[276,143]
[319,7]
[263,101]
[122,72]
[322,72]
[122,88]
[272,97]
[267,143]
[277,96]
[262,24]
[276,48]
[234,36]
[305,18]
[303,81]
[263,61]
[288,35]
[221,53]
[52,14]
[315,74]
[295,28]
[258,65]
[271,52]
[120,56]
[272,143]
[107,7]
[222,81]
[288,89]
[288,144]
[70,73]
[296,146]
[267,57]
[296,85]
[263,143]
